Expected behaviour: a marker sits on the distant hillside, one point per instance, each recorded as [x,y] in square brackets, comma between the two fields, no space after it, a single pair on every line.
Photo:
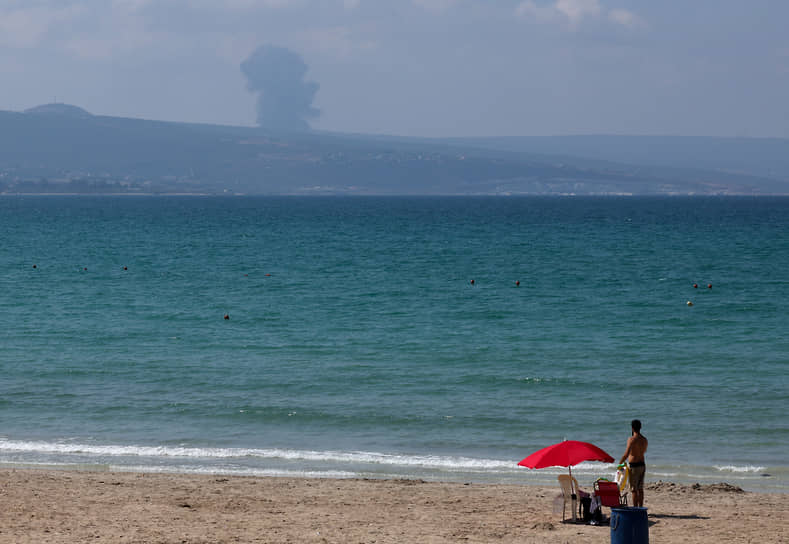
[61,148]
[762,157]
[65,110]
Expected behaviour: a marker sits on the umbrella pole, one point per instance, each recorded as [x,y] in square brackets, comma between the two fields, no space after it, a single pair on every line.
[574,494]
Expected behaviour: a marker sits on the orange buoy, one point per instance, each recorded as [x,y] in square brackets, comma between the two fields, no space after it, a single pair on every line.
[695,285]
[268,275]
[227,316]
[472,282]
[517,283]
[709,286]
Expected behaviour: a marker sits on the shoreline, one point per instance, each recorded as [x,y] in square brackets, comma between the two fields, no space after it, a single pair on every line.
[45,505]
[542,478]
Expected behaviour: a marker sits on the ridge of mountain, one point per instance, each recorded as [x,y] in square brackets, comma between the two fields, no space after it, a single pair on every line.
[63,148]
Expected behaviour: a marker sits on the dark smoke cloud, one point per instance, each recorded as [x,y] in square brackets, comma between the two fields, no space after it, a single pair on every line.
[284,98]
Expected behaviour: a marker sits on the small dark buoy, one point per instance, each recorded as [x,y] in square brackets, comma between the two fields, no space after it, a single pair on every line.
[85,269]
[125,268]
[227,316]
[472,282]
[695,285]
[34,266]
[246,275]
[517,283]
[709,286]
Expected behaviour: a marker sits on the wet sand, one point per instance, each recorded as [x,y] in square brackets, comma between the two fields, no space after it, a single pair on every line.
[58,506]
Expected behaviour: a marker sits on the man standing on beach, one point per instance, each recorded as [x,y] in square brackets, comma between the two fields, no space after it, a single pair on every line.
[634,453]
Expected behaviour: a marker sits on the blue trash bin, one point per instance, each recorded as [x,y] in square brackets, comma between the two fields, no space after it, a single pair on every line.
[629,526]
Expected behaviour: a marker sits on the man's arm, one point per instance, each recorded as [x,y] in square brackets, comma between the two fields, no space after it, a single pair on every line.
[627,450]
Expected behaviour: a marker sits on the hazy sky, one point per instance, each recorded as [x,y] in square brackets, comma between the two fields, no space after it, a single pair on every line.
[416,67]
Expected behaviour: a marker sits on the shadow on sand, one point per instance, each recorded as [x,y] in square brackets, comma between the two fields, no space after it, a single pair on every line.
[676,516]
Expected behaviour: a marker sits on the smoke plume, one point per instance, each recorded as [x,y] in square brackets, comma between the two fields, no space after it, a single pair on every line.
[284,99]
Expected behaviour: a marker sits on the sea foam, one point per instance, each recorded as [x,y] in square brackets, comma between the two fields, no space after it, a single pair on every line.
[340,457]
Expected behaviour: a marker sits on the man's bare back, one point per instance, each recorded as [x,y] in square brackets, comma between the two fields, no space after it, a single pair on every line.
[636,448]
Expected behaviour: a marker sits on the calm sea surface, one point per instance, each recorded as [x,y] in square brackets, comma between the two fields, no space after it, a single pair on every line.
[357,345]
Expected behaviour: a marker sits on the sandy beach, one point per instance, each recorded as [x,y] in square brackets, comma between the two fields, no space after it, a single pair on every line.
[59,506]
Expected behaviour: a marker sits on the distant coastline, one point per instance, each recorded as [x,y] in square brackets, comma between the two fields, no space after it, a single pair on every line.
[62,149]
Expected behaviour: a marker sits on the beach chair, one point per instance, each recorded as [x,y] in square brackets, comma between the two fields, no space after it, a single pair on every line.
[571,494]
[622,479]
[608,494]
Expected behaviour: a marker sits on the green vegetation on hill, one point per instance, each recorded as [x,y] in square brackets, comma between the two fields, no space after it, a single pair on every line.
[61,148]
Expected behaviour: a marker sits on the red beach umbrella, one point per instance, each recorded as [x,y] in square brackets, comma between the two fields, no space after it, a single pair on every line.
[565,454]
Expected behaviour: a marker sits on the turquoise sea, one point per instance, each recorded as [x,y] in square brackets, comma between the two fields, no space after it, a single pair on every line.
[356,344]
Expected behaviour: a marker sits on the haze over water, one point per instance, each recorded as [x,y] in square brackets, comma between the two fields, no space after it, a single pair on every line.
[356,344]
